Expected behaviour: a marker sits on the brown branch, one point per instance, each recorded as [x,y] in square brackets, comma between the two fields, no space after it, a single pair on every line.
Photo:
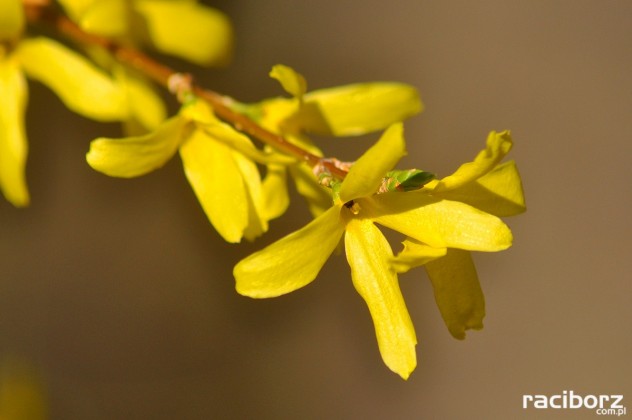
[162,75]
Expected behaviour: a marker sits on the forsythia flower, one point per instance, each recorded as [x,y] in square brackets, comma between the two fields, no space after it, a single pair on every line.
[183,28]
[439,223]
[217,161]
[82,87]
[348,110]
[489,186]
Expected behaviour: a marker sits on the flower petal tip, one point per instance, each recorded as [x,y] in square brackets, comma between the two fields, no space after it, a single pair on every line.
[404,372]
[460,332]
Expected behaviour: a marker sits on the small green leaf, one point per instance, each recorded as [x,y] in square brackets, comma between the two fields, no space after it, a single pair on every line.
[408,180]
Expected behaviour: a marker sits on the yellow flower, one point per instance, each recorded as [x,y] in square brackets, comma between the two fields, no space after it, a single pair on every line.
[295,260]
[23,394]
[217,162]
[183,28]
[13,145]
[348,110]
[82,87]
[489,186]
[11,19]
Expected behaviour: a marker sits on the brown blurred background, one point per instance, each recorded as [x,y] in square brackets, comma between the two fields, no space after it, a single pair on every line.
[121,295]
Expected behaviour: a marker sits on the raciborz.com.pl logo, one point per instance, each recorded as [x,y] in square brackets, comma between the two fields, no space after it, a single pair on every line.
[604,405]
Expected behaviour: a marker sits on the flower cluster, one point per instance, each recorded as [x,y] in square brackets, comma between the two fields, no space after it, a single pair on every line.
[213,151]
[241,187]
[94,85]
[442,222]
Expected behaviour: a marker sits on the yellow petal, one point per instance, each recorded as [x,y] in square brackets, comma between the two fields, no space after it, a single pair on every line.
[146,106]
[291,262]
[438,223]
[76,8]
[457,292]
[414,255]
[199,111]
[275,194]
[11,19]
[134,156]
[366,174]
[293,82]
[84,88]
[218,184]
[498,145]
[244,154]
[369,253]
[106,17]
[257,220]
[272,114]
[238,141]
[498,192]
[189,30]
[356,109]
[13,145]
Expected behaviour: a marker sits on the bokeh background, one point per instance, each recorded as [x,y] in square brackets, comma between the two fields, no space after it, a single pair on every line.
[120,295]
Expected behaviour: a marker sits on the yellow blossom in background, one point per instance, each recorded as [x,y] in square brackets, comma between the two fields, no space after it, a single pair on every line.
[13,97]
[13,145]
[183,28]
[217,160]
[81,86]
[11,19]
[101,89]
[295,260]
[23,395]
